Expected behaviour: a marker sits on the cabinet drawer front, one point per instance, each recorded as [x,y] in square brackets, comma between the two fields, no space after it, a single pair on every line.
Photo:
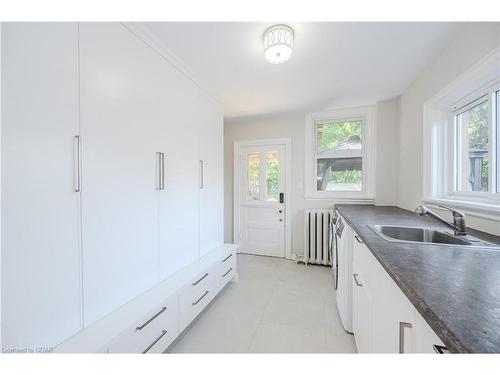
[162,336]
[194,298]
[201,282]
[224,272]
[139,338]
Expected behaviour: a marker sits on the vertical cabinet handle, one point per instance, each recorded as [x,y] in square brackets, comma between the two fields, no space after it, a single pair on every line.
[202,182]
[402,326]
[77,177]
[160,172]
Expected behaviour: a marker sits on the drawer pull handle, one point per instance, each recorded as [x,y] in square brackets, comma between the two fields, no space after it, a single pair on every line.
[355,275]
[229,256]
[229,270]
[199,281]
[152,318]
[358,239]
[402,326]
[440,349]
[199,299]
[163,333]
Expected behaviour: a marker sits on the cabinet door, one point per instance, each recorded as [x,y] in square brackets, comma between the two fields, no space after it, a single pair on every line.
[41,280]
[211,150]
[179,201]
[426,339]
[393,314]
[362,299]
[120,97]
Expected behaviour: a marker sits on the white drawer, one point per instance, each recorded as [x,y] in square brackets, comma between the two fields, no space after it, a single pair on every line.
[194,297]
[224,272]
[151,333]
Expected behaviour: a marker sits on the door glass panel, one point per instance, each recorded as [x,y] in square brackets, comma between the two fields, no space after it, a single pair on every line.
[272,176]
[253,180]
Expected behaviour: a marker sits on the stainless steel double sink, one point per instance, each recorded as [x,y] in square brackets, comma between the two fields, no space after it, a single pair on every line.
[433,236]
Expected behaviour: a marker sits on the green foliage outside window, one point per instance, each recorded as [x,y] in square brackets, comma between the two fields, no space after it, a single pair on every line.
[478,137]
[332,135]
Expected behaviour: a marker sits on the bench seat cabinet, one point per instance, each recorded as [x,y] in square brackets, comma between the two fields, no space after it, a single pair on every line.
[174,304]
[384,320]
[202,289]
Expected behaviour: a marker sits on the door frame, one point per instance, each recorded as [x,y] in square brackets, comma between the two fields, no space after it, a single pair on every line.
[238,145]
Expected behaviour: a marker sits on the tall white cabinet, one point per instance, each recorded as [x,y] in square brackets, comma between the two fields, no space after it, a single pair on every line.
[179,197]
[41,252]
[104,195]
[211,135]
[119,103]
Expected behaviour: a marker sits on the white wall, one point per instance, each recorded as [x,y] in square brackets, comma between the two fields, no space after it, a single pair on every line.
[472,43]
[0,185]
[292,125]
[387,150]
[278,126]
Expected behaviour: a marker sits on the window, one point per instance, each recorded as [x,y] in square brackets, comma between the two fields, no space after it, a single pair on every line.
[476,150]
[472,143]
[339,149]
[339,161]
[461,148]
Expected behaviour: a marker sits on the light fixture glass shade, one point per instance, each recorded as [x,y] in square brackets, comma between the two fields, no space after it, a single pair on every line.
[278,44]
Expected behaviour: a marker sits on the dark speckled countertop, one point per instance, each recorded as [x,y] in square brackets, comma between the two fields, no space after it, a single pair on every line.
[456,289]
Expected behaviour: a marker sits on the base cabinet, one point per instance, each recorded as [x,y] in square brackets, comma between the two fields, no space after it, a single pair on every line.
[384,320]
[361,299]
[426,340]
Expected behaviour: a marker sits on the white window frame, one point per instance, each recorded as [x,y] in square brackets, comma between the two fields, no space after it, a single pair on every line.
[367,114]
[440,147]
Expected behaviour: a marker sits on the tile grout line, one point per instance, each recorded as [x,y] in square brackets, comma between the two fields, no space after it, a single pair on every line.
[259,324]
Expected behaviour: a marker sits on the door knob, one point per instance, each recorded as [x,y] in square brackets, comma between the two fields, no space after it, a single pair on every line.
[280,211]
[281,219]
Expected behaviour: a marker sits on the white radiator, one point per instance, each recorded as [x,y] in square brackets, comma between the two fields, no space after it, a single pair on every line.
[317,236]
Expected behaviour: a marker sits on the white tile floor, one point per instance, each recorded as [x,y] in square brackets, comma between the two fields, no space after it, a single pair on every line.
[276,307]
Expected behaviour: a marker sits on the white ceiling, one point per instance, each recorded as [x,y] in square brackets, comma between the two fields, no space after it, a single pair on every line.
[333,63]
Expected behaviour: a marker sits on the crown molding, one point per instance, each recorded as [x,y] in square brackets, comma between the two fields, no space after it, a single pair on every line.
[150,39]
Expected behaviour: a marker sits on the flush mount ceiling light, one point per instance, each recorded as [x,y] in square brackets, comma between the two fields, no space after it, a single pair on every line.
[278,44]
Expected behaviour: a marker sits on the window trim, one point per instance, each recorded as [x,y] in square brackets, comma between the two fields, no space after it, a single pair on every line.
[439,142]
[367,114]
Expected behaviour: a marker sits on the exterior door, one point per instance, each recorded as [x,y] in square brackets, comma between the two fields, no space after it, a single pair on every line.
[262,192]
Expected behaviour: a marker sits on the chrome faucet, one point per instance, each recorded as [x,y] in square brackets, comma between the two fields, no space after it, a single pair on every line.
[458,224]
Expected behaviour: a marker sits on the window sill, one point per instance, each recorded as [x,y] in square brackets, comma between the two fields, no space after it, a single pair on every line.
[482,209]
